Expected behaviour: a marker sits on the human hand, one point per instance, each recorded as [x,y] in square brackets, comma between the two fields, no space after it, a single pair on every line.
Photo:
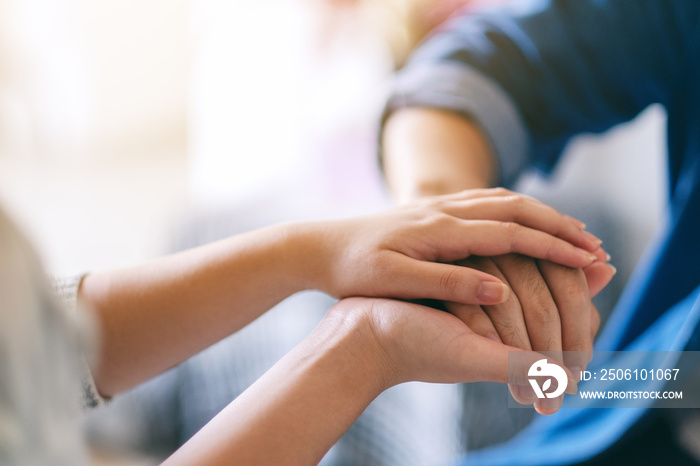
[410,342]
[406,252]
[300,407]
[549,310]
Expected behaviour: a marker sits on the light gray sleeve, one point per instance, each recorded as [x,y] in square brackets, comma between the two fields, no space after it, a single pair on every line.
[468,92]
[66,288]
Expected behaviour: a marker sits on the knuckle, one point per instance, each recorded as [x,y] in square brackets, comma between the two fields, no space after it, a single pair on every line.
[520,201]
[434,203]
[542,308]
[511,228]
[576,293]
[543,314]
[442,220]
[500,191]
[516,199]
[574,287]
[450,282]
[512,334]
[536,285]
[428,218]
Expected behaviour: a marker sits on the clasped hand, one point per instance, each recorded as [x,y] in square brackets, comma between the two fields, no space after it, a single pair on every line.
[511,269]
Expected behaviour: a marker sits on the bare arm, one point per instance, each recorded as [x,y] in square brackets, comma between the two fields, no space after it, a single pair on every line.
[430,152]
[156,315]
[297,410]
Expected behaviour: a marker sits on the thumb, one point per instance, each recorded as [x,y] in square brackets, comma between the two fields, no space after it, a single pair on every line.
[494,362]
[491,361]
[448,282]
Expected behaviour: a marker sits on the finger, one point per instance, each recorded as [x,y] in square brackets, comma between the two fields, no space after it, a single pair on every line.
[598,275]
[506,317]
[524,211]
[477,193]
[569,290]
[595,321]
[548,400]
[501,363]
[475,318]
[465,238]
[577,222]
[539,309]
[601,255]
[420,279]
[502,195]
[480,193]
[523,394]
[549,406]
[486,360]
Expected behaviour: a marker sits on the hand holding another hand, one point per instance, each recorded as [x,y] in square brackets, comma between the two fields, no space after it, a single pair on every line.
[408,342]
[525,284]
[408,252]
[549,310]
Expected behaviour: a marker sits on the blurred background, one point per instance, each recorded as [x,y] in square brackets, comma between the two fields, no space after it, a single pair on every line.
[131,129]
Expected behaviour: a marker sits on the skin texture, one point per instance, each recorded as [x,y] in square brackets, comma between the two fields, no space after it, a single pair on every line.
[156,315]
[299,409]
[432,152]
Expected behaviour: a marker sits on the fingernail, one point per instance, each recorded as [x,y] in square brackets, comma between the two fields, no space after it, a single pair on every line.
[526,394]
[614,269]
[576,372]
[572,386]
[577,222]
[607,257]
[592,238]
[549,405]
[492,292]
[590,257]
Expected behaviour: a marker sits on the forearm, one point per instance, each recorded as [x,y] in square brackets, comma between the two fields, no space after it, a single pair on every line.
[298,409]
[429,152]
[156,315]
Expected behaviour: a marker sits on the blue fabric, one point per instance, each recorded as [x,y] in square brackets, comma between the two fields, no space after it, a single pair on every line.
[576,435]
[573,66]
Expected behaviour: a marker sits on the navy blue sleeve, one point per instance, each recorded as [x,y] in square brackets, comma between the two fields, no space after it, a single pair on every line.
[562,67]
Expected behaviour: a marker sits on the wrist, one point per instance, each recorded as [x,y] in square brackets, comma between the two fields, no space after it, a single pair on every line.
[348,330]
[312,248]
